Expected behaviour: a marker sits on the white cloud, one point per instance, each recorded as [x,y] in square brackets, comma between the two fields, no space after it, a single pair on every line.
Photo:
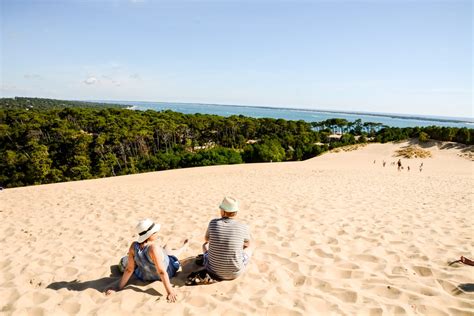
[32,76]
[90,80]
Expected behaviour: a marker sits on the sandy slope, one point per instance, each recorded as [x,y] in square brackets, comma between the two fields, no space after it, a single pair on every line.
[336,234]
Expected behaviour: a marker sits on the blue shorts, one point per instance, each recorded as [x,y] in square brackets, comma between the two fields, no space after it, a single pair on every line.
[173,266]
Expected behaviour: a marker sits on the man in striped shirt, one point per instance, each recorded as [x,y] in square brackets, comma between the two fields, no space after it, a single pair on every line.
[227,247]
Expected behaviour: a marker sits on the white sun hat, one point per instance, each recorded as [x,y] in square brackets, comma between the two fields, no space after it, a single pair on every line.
[146,228]
[229,204]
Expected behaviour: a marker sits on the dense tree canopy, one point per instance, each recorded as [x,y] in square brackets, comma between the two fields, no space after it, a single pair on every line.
[47,141]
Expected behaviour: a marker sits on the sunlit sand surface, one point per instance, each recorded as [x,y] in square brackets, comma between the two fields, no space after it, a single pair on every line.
[337,234]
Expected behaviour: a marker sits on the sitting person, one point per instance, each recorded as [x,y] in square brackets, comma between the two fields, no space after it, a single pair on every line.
[149,262]
[226,250]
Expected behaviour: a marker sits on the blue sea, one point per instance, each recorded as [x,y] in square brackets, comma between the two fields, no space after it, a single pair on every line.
[394,120]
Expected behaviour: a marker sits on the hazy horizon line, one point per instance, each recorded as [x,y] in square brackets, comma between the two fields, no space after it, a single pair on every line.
[458,119]
[461,119]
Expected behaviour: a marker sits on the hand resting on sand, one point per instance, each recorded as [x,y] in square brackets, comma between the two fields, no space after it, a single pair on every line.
[171,297]
[109,291]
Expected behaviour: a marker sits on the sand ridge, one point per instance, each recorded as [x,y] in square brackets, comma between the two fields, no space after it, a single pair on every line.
[337,234]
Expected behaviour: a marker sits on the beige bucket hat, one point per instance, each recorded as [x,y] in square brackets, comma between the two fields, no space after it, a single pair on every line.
[229,204]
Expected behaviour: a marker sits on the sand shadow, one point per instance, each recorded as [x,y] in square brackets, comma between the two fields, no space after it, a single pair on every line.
[103,283]
[189,268]
[452,146]
[188,265]
[424,145]
[442,145]
[463,288]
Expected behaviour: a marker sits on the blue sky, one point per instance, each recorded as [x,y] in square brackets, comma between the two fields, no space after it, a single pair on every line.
[400,56]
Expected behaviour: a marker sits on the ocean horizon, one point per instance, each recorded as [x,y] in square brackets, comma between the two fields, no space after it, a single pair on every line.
[308,115]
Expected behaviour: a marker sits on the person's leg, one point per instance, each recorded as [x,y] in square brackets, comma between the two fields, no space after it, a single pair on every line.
[248,254]
[176,252]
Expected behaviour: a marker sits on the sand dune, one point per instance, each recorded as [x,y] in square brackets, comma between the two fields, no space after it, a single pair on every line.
[336,234]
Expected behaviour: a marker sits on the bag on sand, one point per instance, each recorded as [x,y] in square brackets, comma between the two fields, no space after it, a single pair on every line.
[201,277]
[123,264]
[199,260]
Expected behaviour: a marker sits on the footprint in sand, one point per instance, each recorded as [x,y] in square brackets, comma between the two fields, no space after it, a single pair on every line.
[388,291]
[399,271]
[423,271]
[426,291]
[262,267]
[32,299]
[299,281]
[348,265]
[232,312]
[346,296]
[198,301]
[448,287]
[345,274]
[71,308]
[321,285]
[10,295]
[5,264]
[7,276]
[430,310]
[368,258]
[36,311]
[280,310]
[398,310]
[69,271]
[323,254]
[372,311]
[456,311]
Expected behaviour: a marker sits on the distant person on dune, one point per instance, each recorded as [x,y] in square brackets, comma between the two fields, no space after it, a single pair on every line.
[149,262]
[399,164]
[227,248]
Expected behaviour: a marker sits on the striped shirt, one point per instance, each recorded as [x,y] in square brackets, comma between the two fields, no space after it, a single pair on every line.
[226,242]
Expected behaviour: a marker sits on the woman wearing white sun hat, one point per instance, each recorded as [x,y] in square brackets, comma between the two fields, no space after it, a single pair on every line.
[149,262]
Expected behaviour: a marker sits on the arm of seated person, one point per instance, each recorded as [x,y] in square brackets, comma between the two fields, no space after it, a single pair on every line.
[206,237]
[157,258]
[126,274]
[247,239]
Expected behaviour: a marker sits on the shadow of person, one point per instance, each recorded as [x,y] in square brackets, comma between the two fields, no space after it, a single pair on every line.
[463,288]
[104,283]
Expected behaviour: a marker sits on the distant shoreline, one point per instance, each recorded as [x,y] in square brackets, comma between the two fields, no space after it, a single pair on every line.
[387,115]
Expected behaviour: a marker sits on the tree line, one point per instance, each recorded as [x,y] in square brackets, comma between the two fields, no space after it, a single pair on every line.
[44,141]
